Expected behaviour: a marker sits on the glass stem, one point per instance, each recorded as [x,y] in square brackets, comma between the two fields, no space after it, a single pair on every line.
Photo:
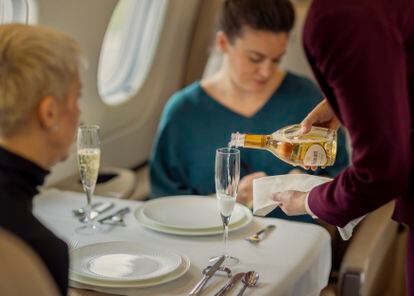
[88,206]
[226,243]
[88,195]
[225,234]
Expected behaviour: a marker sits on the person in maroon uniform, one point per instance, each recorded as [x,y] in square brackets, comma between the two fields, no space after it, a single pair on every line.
[362,54]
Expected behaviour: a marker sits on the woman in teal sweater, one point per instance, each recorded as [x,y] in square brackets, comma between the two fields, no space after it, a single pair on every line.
[249,94]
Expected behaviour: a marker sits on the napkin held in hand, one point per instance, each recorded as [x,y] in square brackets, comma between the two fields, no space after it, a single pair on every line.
[264,187]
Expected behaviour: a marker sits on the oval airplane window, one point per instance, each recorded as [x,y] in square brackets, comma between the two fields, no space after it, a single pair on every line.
[128,48]
[17,11]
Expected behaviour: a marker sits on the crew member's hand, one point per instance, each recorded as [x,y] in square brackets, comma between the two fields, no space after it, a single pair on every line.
[291,202]
[245,190]
[322,115]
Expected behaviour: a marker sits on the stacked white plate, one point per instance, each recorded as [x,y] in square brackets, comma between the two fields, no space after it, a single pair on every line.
[190,215]
[125,265]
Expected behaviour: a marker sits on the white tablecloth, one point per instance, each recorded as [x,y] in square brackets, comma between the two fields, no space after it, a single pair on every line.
[295,259]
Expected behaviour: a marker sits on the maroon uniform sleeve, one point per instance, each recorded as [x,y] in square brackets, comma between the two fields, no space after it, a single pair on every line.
[358,58]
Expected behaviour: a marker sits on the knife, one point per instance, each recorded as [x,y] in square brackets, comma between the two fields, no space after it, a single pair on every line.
[197,289]
[97,210]
[227,287]
[120,213]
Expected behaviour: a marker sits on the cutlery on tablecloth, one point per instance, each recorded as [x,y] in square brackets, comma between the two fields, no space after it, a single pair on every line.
[81,211]
[249,279]
[222,268]
[73,244]
[116,218]
[255,238]
[230,284]
[206,276]
[105,206]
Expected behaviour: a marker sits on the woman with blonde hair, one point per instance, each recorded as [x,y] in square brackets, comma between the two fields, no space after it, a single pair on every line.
[39,113]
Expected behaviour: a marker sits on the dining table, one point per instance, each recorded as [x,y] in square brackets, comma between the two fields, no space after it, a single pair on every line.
[293,259]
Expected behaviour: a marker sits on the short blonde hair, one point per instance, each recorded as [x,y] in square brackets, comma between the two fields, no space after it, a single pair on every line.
[35,62]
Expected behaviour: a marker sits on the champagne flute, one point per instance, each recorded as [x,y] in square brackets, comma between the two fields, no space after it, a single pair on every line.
[227,176]
[89,153]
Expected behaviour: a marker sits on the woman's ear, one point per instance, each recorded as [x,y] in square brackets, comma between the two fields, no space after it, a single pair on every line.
[222,42]
[48,113]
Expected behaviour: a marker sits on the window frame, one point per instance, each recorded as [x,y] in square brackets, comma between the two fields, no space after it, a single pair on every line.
[136,52]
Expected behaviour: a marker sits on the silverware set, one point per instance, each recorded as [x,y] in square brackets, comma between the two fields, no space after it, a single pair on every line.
[96,210]
[206,277]
[81,212]
[249,279]
[116,218]
[222,268]
[230,284]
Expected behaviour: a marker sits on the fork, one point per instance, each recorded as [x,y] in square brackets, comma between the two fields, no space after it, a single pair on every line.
[73,244]
[224,269]
[116,218]
[255,237]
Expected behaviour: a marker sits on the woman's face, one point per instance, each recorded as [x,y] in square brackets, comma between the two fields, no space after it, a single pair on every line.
[253,58]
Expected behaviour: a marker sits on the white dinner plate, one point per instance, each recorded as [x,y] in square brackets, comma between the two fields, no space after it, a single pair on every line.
[188,212]
[122,261]
[248,217]
[180,271]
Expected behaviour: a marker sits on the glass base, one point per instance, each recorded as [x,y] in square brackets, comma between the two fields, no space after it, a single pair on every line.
[228,261]
[89,229]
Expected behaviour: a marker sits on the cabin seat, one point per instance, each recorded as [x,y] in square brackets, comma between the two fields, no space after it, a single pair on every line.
[373,263]
[112,182]
[22,272]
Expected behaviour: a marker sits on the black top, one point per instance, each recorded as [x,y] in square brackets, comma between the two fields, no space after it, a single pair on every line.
[18,181]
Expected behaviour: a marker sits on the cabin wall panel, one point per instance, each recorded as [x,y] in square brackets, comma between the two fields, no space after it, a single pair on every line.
[127,130]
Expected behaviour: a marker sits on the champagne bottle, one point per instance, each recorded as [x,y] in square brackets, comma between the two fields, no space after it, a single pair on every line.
[316,148]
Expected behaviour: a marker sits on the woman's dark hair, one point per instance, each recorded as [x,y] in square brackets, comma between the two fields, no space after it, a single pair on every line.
[266,15]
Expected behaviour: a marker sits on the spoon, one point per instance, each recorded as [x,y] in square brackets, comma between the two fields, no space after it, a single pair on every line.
[249,279]
[255,237]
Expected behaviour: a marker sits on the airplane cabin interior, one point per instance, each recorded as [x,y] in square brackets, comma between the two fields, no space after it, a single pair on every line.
[137,54]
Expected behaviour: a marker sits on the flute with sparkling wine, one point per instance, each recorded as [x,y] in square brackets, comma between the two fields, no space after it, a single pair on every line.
[89,155]
[227,176]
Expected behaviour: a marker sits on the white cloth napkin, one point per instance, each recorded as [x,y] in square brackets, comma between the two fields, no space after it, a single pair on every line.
[264,187]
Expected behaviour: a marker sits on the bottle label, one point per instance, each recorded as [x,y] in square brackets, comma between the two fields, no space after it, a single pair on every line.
[315,156]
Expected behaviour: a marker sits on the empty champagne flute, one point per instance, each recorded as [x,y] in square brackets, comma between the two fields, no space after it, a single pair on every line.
[89,153]
[227,176]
